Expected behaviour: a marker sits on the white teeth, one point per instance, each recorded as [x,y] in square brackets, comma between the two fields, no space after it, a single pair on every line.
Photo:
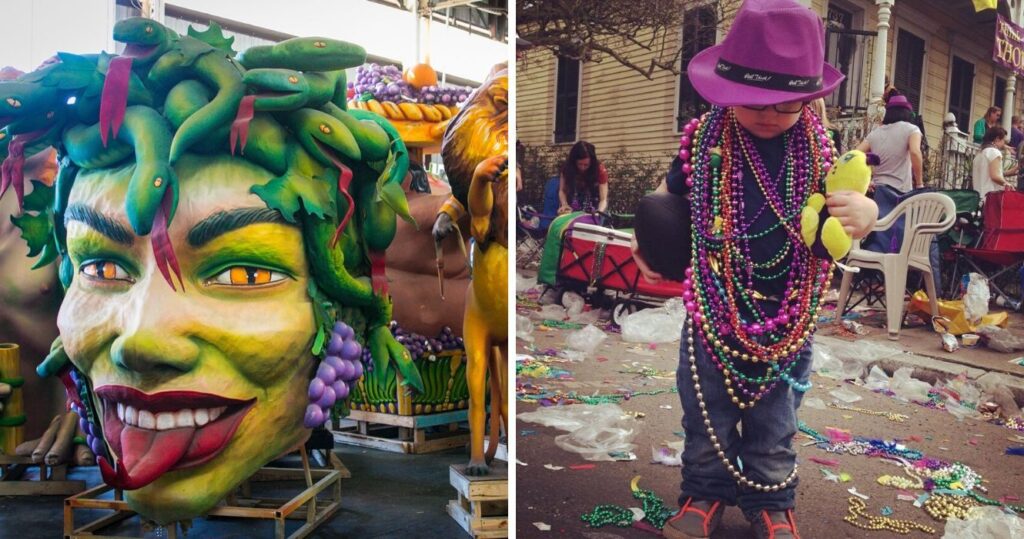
[165,421]
[147,420]
[186,417]
[183,419]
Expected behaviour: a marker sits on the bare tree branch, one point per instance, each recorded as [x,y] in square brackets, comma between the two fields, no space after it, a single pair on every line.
[627,32]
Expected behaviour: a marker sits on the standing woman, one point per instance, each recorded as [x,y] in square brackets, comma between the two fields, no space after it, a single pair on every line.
[897,143]
[584,181]
[988,175]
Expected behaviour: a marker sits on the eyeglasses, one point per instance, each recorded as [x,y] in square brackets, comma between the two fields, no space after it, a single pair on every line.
[781,108]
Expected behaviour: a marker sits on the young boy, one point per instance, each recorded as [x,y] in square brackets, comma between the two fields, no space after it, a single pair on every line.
[753,288]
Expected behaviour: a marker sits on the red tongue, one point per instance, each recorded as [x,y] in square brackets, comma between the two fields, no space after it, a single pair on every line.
[150,453]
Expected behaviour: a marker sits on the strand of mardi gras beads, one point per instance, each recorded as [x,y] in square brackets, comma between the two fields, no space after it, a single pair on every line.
[709,166]
[891,416]
[857,510]
[655,511]
[737,475]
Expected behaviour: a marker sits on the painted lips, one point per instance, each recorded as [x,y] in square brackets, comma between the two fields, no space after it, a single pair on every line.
[172,430]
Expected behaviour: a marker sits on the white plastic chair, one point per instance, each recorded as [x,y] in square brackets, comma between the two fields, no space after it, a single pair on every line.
[927,215]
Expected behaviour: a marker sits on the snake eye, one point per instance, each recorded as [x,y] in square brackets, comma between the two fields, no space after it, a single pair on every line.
[104,270]
[149,29]
[319,44]
[13,102]
[247,276]
[293,79]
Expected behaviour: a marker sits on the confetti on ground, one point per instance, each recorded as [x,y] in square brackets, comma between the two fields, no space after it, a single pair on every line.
[582,467]
[526,432]
[521,463]
[553,467]
[829,476]
[846,478]
[622,455]
[905,497]
[665,407]
[542,526]
[853,490]
[886,511]
[825,462]
[1019,451]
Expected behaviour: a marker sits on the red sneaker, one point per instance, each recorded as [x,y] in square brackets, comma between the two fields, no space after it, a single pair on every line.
[696,519]
[775,525]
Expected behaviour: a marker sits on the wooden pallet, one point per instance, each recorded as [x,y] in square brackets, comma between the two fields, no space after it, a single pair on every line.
[482,506]
[304,505]
[405,433]
[52,480]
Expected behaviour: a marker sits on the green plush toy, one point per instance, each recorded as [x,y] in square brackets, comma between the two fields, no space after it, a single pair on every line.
[822,232]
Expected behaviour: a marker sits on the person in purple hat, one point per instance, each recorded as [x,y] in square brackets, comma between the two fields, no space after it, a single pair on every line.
[743,174]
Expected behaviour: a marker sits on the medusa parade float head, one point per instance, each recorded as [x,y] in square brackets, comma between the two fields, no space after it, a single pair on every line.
[220,223]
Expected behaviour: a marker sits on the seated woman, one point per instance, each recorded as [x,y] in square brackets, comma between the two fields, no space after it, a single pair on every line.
[582,191]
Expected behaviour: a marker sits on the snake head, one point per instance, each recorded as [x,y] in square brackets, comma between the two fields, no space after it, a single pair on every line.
[145,193]
[26,106]
[278,89]
[319,132]
[145,39]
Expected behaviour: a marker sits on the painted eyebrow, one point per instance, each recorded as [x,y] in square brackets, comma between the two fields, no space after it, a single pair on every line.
[223,222]
[103,224]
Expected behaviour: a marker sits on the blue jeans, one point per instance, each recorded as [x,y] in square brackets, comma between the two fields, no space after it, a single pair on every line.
[889,241]
[765,447]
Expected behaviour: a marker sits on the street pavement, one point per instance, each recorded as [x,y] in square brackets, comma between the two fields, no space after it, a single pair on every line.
[558,497]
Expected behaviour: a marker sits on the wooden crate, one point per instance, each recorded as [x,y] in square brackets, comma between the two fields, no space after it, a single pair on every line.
[52,480]
[443,379]
[482,505]
[304,505]
[405,433]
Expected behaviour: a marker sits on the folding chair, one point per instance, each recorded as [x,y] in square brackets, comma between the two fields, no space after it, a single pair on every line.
[1001,254]
[926,215]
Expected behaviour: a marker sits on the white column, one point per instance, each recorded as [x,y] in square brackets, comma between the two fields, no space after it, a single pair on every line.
[1011,83]
[878,56]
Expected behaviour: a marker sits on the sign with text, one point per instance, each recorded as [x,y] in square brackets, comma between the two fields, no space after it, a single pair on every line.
[1009,47]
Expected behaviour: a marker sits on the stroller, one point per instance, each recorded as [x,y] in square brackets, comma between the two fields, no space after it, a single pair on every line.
[600,258]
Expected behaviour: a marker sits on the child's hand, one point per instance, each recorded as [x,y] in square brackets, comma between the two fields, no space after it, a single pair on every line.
[856,212]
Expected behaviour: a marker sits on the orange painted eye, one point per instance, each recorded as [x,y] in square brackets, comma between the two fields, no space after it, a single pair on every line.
[247,276]
[105,270]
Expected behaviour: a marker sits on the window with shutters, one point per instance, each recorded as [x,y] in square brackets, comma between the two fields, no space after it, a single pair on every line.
[699,26]
[909,69]
[846,49]
[567,99]
[961,89]
[999,93]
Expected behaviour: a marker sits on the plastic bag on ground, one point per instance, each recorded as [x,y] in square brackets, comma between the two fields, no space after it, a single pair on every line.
[586,340]
[573,303]
[845,395]
[594,430]
[552,312]
[976,298]
[661,325]
[825,363]
[814,402]
[985,523]
[671,454]
[908,388]
[524,328]
[587,317]
[525,283]
[877,380]
[1001,340]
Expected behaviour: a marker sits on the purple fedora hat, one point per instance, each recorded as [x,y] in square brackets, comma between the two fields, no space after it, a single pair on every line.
[773,53]
[899,102]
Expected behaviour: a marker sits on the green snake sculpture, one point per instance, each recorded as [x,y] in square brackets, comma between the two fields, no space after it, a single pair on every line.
[337,173]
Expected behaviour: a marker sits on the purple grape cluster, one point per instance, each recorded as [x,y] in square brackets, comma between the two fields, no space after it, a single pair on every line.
[385,83]
[421,347]
[335,376]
